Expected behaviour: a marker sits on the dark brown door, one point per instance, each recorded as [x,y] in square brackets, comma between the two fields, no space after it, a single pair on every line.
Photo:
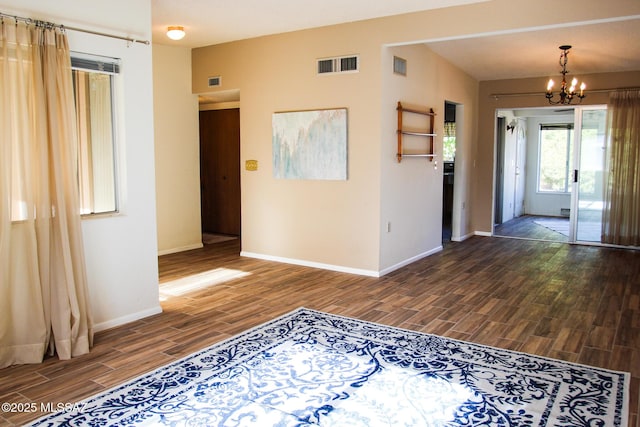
[220,171]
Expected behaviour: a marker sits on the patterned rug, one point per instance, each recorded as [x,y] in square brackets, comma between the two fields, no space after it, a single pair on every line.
[309,368]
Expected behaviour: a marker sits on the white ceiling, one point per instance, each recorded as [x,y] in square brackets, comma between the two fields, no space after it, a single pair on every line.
[600,46]
[597,47]
[208,22]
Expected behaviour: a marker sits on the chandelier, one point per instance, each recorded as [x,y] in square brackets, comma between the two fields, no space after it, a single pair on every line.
[567,93]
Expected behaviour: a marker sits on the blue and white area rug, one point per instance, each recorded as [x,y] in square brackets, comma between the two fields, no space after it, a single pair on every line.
[309,368]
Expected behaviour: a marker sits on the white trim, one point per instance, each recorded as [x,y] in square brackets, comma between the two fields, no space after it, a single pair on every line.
[340,268]
[410,260]
[180,249]
[520,30]
[313,264]
[467,236]
[126,319]
[483,233]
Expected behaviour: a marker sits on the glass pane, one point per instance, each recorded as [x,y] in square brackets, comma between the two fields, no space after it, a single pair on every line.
[555,148]
[96,159]
[591,175]
[449,142]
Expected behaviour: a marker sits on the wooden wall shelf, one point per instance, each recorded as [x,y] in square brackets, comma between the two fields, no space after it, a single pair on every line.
[428,133]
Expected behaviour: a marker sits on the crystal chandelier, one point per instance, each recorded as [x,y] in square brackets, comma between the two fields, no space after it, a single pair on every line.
[567,93]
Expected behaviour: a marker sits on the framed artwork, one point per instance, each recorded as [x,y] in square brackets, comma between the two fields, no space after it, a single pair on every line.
[310,144]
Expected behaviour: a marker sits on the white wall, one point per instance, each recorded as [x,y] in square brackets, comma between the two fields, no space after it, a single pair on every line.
[177,150]
[120,250]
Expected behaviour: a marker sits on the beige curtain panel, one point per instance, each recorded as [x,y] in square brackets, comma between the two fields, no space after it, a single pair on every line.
[44,306]
[621,216]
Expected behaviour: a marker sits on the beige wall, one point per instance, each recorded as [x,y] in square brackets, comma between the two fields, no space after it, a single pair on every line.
[177,153]
[485,152]
[331,223]
[344,223]
[411,191]
[340,223]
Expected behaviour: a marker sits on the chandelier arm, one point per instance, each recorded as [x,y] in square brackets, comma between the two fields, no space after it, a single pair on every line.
[562,63]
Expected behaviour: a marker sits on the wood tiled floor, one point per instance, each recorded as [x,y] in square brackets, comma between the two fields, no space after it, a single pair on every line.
[576,303]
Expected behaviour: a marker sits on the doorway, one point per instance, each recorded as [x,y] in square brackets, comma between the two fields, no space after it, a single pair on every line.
[220,172]
[448,158]
[510,169]
[561,177]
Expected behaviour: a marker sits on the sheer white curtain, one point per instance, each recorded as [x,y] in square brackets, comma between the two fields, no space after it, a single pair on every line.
[44,304]
[621,216]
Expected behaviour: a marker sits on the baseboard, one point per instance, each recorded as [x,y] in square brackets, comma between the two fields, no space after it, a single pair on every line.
[126,319]
[483,233]
[180,249]
[410,260]
[305,263]
[463,238]
[342,269]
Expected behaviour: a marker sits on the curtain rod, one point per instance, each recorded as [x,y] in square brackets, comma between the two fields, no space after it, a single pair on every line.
[64,27]
[509,95]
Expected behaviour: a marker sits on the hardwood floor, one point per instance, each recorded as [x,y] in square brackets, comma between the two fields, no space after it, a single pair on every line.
[575,303]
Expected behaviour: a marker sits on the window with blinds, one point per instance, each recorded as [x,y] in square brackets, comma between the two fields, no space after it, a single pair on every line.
[94,83]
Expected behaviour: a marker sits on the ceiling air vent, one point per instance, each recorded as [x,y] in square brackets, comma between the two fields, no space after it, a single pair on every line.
[340,64]
[215,81]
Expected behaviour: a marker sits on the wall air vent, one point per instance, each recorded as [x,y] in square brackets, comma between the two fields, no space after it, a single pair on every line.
[399,66]
[340,64]
[215,81]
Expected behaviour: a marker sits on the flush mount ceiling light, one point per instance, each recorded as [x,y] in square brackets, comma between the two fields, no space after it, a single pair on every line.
[567,93]
[175,32]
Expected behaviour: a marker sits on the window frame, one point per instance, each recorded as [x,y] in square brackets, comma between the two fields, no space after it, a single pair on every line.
[569,144]
[109,66]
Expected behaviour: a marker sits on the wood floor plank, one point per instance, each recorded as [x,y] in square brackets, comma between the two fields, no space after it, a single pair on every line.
[73,380]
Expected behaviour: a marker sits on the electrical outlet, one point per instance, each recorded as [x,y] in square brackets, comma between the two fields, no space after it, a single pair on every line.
[388,226]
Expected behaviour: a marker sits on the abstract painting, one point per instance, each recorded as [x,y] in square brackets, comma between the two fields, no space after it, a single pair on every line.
[310,144]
